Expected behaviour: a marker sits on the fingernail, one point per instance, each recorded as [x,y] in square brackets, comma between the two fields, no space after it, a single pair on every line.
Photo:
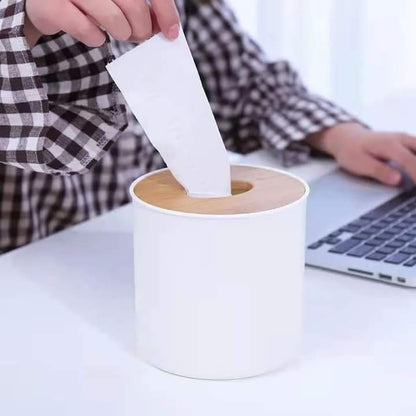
[173,32]
[395,178]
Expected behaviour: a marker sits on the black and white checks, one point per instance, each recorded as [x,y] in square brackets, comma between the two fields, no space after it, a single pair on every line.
[69,148]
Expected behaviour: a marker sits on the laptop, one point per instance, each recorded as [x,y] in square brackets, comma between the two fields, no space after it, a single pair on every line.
[362,228]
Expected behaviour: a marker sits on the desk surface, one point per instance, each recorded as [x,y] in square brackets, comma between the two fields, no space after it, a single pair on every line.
[67,339]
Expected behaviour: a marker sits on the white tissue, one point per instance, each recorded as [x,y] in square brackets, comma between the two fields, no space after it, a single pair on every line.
[161,84]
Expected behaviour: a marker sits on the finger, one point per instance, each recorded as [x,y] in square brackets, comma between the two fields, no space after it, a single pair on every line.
[373,168]
[408,141]
[155,23]
[137,13]
[404,157]
[38,18]
[75,23]
[107,15]
[167,17]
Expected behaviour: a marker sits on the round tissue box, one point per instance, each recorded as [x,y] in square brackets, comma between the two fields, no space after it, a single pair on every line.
[219,280]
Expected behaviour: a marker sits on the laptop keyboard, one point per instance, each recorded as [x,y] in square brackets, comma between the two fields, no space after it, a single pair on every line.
[385,234]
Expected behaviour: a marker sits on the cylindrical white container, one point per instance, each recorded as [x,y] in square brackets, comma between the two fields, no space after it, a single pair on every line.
[219,296]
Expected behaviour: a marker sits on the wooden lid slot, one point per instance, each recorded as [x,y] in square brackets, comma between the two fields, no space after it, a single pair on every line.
[253,190]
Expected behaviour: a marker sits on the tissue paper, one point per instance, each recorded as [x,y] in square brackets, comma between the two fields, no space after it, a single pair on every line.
[161,84]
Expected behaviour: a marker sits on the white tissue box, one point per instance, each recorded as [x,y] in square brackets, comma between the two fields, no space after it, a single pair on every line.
[219,296]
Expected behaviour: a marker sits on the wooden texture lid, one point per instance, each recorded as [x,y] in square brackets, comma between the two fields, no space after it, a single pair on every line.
[254,190]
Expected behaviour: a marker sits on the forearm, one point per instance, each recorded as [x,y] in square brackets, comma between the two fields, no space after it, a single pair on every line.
[44,126]
[256,102]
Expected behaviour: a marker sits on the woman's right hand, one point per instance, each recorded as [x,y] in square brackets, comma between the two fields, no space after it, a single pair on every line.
[365,152]
[86,20]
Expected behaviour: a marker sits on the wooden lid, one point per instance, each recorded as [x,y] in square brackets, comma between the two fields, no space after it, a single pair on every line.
[254,190]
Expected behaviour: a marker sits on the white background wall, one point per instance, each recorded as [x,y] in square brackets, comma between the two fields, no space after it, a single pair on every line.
[361,53]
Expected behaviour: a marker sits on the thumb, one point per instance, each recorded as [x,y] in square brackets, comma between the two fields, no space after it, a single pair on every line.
[167,17]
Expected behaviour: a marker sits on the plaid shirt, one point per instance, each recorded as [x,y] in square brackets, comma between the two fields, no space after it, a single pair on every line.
[69,148]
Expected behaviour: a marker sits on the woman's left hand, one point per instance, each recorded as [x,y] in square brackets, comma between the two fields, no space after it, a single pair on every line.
[365,152]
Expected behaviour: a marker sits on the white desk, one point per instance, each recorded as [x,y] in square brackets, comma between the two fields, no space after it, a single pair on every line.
[67,339]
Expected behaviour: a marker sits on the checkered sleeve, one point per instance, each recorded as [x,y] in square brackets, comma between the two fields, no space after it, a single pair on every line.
[256,102]
[59,110]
